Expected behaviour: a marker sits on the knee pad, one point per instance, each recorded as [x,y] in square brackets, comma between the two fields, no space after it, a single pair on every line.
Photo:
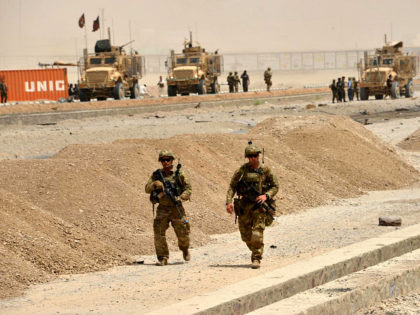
[257,239]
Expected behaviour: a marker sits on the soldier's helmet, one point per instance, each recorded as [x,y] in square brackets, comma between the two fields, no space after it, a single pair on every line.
[166,153]
[269,69]
[230,73]
[251,149]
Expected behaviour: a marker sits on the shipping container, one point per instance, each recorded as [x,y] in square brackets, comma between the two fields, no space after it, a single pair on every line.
[38,84]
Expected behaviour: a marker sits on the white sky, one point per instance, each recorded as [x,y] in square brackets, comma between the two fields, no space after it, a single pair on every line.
[45,27]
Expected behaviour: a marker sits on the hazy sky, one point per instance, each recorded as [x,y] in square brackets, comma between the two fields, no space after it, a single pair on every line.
[46,27]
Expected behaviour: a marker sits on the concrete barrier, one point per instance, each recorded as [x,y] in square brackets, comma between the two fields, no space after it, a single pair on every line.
[354,292]
[251,294]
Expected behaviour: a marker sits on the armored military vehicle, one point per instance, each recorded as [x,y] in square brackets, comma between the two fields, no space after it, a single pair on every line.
[193,71]
[110,72]
[388,61]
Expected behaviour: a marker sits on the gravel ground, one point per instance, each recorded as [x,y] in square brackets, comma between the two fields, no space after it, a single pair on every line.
[35,141]
[144,287]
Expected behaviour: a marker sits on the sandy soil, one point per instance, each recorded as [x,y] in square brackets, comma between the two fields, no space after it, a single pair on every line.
[84,209]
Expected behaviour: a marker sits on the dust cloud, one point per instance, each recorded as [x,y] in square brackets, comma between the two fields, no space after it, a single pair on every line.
[50,27]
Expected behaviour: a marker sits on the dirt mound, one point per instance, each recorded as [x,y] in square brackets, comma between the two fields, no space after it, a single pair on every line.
[411,143]
[85,209]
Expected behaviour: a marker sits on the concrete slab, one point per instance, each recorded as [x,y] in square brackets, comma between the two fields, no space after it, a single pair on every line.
[358,290]
[251,294]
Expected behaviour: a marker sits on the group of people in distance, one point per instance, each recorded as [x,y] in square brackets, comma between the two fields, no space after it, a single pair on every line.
[234,81]
[338,89]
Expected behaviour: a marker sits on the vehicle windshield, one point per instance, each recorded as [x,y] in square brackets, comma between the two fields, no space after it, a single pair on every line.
[388,61]
[194,60]
[181,61]
[95,61]
[109,60]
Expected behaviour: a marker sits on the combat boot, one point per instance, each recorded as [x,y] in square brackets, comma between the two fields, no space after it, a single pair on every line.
[186,254]
[255,264]
[162,262]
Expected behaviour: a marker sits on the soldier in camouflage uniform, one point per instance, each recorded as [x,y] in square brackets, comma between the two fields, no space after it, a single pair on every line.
[3,91]
[254,215]
[230,81]
[356,88]
[167,212]
[267,78]
[236,82]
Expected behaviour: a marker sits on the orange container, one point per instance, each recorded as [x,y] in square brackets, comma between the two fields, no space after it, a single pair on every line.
[39,84]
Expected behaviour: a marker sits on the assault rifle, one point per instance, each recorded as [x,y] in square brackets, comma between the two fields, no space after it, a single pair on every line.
[172,190]
[251,193]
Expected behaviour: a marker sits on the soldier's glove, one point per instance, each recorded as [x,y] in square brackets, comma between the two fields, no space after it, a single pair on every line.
[183,197]
[158,185]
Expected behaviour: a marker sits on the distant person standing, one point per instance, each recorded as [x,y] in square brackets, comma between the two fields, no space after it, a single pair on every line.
[333,88]
[71,90]
[3,91]
[230,81]
[356,88]
[71,93]
[267,78]
[161,87]
[339,89]
[388,86]
[350,90]
[245,81]
[236,82]
[343,86]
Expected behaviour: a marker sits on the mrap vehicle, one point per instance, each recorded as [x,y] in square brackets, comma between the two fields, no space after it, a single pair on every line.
[194,70]
[111,72]
[388,61]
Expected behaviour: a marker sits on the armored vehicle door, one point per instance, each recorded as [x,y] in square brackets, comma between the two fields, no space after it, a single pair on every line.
[215,64]
[137,65]
[407,66]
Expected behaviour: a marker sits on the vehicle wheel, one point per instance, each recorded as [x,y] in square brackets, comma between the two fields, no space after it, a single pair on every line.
[119,92]
[395,90]
[364,94]
[135,91]
[84,95]
[171,90]
[409,89]
[379,96]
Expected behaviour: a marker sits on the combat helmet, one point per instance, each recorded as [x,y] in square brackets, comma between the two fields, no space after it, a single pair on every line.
[166,153]
[251,149]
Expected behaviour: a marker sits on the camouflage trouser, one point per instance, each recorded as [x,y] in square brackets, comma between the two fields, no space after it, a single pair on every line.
[269,84]
[251,226]
[236,87]
[164,215]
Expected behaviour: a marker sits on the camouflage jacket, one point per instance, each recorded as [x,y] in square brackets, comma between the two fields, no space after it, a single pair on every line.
[3,88]
[267,75]
[263,179]
[236,79]
[230,79]
[183,181]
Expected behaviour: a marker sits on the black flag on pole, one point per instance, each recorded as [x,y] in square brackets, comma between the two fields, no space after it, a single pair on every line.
[82,21]
[96,25]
